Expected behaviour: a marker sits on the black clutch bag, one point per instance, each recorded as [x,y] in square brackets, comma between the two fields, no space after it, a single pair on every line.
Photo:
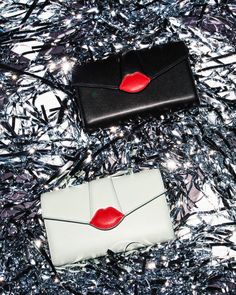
[138,82]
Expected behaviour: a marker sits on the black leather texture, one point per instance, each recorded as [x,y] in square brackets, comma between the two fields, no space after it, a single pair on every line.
[103,104]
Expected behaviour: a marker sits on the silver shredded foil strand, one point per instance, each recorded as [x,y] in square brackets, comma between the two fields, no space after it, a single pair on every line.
[42,144]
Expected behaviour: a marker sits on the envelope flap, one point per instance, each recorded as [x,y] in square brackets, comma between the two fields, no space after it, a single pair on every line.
[79,204]
[138,189]
[103,202]
[161,58]
[67,204]
[104,73]
[109,73]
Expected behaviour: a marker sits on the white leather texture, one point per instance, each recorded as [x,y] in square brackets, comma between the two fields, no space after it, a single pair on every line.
[71,242]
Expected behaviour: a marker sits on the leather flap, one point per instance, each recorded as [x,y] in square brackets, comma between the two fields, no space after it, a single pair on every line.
[125,194]
[69,204]
[110,72]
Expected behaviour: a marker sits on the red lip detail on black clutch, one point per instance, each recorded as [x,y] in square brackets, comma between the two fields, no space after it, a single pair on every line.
[134,83]
[106,218]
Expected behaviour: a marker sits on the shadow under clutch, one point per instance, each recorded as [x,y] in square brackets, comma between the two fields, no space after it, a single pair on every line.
[138,82]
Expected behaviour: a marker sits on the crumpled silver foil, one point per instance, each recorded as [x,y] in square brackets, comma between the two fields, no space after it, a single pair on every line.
[42,145]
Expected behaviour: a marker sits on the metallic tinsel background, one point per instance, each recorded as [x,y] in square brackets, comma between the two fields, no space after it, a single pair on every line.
[42,145]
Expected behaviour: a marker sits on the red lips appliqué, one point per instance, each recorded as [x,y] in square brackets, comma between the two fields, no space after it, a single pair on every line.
[135,82]
[106,218]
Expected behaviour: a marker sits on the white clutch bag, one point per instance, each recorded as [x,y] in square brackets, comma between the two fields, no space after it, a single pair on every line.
[117,213]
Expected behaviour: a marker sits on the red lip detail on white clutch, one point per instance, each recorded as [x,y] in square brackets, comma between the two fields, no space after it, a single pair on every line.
[134,83]
[106,218]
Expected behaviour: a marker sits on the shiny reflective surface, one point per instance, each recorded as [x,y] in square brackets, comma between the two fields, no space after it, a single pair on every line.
[42,142]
